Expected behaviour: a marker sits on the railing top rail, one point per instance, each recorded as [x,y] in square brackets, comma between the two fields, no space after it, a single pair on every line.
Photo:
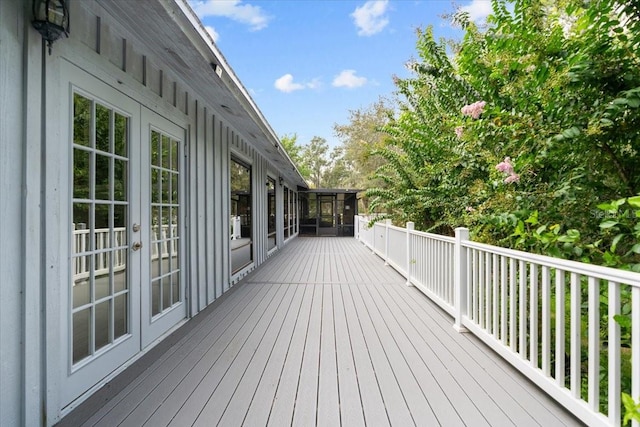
[434,236]
[601,272]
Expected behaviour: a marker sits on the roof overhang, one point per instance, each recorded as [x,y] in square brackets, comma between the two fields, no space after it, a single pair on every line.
[171,32]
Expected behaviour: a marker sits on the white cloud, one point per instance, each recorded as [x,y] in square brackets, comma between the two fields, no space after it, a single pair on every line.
[244,13]
[370,18]
[212,32]
[478,10]
[348,79]
[286,84]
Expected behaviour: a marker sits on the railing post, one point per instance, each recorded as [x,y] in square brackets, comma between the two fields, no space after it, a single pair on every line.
[387,223]
[410,227]
[460,278]
[356,227]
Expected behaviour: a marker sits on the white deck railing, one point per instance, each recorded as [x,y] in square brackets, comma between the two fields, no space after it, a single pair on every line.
[541,314]
[164,243]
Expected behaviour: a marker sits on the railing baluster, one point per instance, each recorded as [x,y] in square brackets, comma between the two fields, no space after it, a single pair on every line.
[546,321]
[468,253]
[481,277]
[533,304]
[496,304]
[594,344]
[523,309]
[560,335]
[504,308]
[635,346]
[576,335]
[476,285]
[613,349]
[513,340]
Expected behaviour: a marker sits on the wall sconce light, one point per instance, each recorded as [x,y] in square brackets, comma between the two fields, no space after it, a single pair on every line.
[51,19]
[280,181]
[217,69]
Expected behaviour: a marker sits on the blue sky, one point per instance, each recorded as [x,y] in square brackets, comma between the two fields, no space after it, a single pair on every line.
[307,63]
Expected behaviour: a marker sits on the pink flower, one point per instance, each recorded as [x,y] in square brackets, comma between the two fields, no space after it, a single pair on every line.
[470,209]
[474,110]
[505,166]
[459,130]
[514,177]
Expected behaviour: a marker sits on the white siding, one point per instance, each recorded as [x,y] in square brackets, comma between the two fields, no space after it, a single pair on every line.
[11,173]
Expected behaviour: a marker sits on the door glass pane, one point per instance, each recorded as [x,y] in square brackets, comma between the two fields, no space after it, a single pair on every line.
[121,135]
[241,216]
[82,168]
[165,210]
[103,128]
[121,316]
[102,181]
[102,276]
[103,323]
[99,227]
[81,337]
[271,213]
[120,182]
[155,297]
[82,120]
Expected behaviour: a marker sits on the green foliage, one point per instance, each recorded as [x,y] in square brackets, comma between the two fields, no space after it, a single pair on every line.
[290,145]
[560,83]
[314,158]
[631,409]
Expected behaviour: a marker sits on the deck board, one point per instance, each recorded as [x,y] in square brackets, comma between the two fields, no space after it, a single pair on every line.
[325,334]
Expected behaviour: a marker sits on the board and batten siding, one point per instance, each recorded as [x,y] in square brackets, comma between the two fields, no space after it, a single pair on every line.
[21,264]
[35,187]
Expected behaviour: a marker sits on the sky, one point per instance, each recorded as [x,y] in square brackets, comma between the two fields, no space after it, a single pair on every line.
[308,63]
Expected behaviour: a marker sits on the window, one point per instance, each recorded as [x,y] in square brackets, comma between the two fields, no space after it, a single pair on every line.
[241,219]
[271,213]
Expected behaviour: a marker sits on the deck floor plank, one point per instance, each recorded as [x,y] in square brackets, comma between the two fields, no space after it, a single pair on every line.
[328,398]
[244,342]
[246,370]
[351,413]
[394,399]
[161,411]
[324,333]
[166,365]
[373,405]
[262,401]
[283,406]
[306,400]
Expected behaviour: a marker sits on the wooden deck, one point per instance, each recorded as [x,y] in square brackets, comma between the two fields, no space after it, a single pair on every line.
[323,334]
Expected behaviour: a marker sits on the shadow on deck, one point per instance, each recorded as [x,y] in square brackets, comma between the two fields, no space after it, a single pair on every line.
[321,334]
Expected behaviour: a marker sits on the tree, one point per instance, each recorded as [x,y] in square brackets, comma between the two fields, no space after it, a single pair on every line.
[549,93]
[338,172]
[361,138]
[290,145]
[314,157]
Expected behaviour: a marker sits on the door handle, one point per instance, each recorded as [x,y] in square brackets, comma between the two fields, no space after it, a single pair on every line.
[136,246]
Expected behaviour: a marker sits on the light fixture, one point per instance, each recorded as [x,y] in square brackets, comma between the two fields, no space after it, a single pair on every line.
[217,69]
[280,181]
[51,19]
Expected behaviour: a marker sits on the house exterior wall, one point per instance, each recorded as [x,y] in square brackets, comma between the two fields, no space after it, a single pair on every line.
[35,185]
[11,225]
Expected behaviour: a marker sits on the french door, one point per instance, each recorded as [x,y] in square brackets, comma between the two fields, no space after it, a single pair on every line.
[126,241]
[162,294]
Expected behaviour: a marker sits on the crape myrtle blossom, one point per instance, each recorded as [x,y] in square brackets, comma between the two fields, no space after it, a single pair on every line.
[514,177]
[506,167]
[474,110]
